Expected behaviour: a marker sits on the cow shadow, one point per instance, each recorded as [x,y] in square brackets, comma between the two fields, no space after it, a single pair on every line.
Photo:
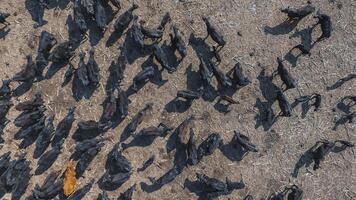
[4,32]
[179,163]
[80,91]
[304,161]
[36,11]
[281,29]
[178,105]
[306,41]
[203,51]
[74,33]
[345,118]
[265,117]
[341,82]
[305,105]
[157,78]
[57,4]
[172,58]
[54,68]
[22,88]
[305,36]
[233,152]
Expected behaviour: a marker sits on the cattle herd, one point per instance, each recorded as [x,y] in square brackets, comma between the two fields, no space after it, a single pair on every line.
[36,126]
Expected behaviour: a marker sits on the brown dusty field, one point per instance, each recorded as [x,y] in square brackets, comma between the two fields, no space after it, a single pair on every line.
[281,146]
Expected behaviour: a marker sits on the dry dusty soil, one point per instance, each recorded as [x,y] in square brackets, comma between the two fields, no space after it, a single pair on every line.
[254,39]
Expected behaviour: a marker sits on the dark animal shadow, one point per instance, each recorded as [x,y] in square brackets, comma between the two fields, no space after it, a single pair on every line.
[3,124]
[262,118]
[4,32]
[2,193]
[79,194]
[222,107]
[305,36]
[172,141]
[36,11]
[124,177]
[67,80]
[156,79]
[133,90]
[281,29]
[75,36]
[348,113]
[110,13]
[341,82]
[199,189]
[233,153]
[140,141]
[342,120]
[169,50]
[95,33]
[79,90]
[267,87]
[28,141]
[115,120]
[305,160]
[61,4]
[305,106]
[338,149]
[18,134]
[178,166]
[113,78]
[158,184]
[54,68]
[118,118]
[74,32]
[209,93]
[345,106]
[277,196]
[291,58]
[203,51]
[125,134]
[196,187]
[80,135]
[143,140]
[306,41]
[115,36]
[266,118]
[43,168]
[193,79]
[228,91]
[194,83]
[201,48]
[177,105]
[22,89]
[134,51]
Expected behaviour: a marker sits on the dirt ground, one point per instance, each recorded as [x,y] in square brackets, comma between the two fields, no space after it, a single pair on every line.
[281,146]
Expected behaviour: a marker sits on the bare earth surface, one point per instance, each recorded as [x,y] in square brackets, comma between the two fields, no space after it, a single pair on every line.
[281,146]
